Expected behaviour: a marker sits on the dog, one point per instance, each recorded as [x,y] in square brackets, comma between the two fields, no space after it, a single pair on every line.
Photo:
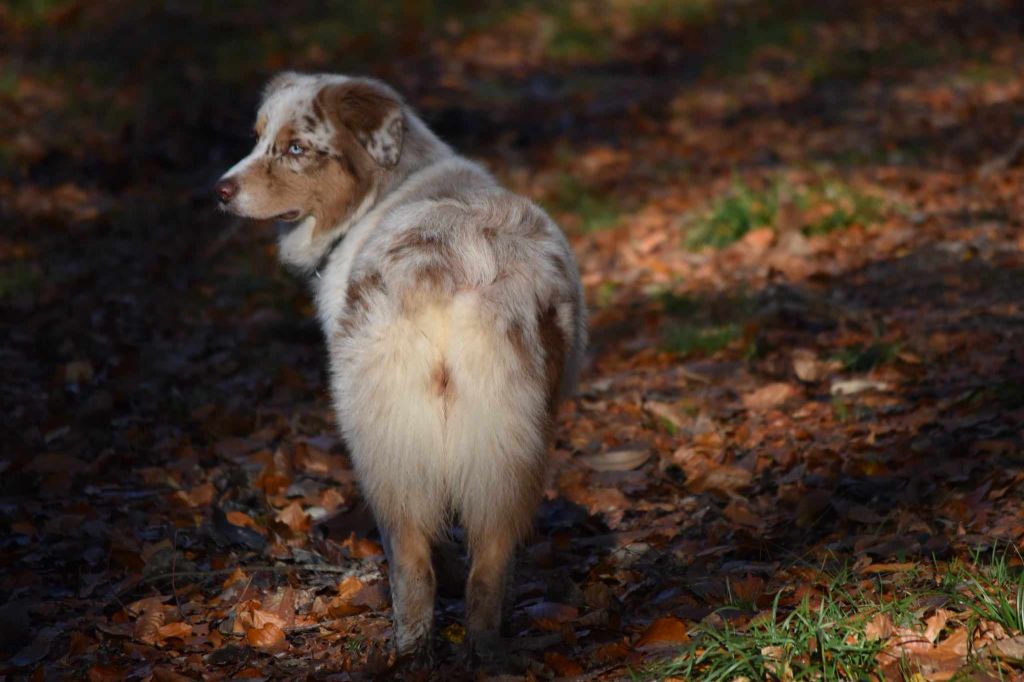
[453,317]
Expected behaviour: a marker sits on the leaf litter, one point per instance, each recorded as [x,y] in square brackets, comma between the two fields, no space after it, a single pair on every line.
[796,450]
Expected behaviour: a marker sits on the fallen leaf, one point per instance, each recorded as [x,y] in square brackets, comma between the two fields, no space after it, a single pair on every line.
[562,665]
[362,548]
[808,367]
[613,651]
[177,630]
[1009,649]
[105,673]
[616,460]
[880,627]
[767,397]
[454,633]
[673,413]
[261,618]
[935,623]
[270,637]
[148,624]
[237,576]
[855,386]
[237,518]
[724,479]
[293,517]
[667,630]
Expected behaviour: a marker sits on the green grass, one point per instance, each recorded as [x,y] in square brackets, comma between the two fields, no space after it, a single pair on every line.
[18,279]
[740,210]
[653,13]
[991,589]
[826,639]
[864,358]
[688,339]
[698,326]
[824,206]
[590,209]
[823,642]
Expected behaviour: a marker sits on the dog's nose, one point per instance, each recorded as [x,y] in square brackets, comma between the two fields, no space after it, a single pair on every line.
[226,189]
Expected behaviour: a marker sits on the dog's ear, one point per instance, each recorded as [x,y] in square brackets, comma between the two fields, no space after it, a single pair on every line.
[372,113]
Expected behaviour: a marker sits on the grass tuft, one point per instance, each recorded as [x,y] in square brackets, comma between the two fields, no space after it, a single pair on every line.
[702,326]
[733,215]
[822,642]
[820,208]
[864,358]
[584,208]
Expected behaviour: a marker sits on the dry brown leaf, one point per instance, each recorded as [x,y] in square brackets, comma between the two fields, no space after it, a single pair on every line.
[616,460]
[739,512]
[362,548]
[349,587]
[149,622]
[164,674]
[673,413]
[282,604]
[374,596]
[767,397]
[724,479]
[293,517]
[261,617]
[880,627]
[201,495]
[667,630]
[1009,649]
[105,673]
[237,576]
[270,637]
[331,500]
[935,623]
[562,665]
[808,367]
[613,651]
[177,630]
[238,518]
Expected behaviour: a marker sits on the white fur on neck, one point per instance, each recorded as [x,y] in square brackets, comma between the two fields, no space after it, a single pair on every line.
[300,249]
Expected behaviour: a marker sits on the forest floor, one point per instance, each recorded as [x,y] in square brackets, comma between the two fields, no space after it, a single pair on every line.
[796,450]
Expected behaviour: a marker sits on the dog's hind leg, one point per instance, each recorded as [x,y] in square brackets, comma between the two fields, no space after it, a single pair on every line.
[492,551]
[412,590]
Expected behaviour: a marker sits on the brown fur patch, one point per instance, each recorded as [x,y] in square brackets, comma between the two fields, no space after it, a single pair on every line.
[520,345]
[283,139]
[355,296]
[356,303]
[553,341]
[554,346]
[359,108]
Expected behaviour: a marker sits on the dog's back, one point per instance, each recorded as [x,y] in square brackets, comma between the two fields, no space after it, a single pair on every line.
[461,328]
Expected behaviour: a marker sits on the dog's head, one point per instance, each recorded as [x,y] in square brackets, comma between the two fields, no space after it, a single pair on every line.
[323,145]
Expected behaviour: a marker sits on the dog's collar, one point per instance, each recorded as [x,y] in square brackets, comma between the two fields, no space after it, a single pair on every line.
[322,263]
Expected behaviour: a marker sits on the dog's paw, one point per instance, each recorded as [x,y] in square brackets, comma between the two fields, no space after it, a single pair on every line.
[490,652]
[416,656]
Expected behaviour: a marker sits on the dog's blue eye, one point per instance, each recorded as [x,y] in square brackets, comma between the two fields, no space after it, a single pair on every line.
[295,149]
